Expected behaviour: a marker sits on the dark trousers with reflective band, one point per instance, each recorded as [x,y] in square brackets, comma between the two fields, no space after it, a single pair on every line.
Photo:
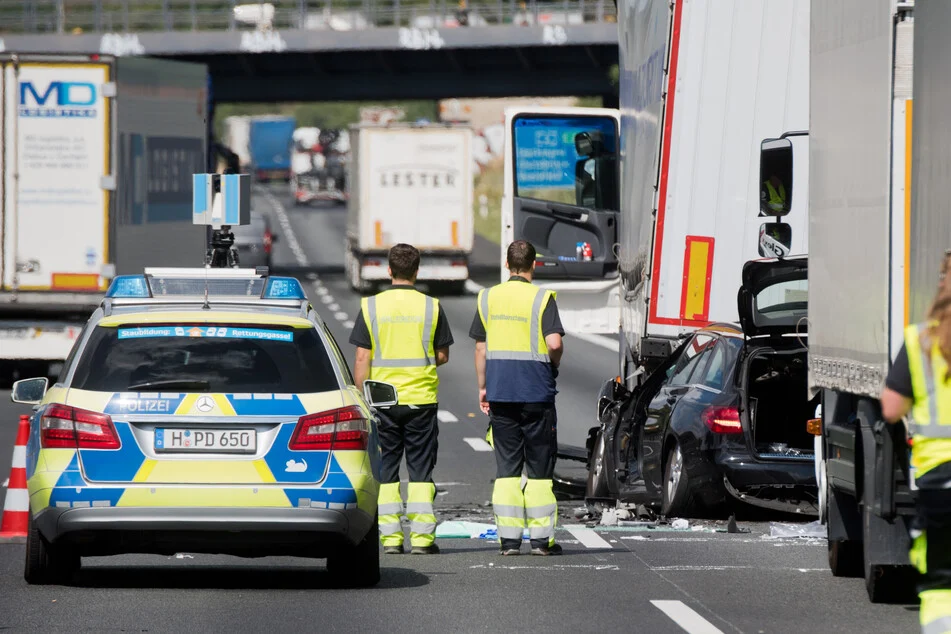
[931,550]
[413,432]
[524,434]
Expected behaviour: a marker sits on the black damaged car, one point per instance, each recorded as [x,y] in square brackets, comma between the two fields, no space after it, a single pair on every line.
[724,418]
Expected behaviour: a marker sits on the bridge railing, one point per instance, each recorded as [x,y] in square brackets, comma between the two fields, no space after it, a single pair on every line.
[97,16]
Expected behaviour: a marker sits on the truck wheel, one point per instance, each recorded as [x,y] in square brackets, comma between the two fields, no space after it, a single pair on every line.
[45,563]
[678,498]
[358,566]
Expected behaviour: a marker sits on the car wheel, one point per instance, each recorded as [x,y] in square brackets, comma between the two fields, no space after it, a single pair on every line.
[358,566]
[597,492]
[677,496]
[46,563]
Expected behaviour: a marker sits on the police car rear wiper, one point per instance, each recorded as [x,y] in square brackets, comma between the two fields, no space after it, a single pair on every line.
[181,384]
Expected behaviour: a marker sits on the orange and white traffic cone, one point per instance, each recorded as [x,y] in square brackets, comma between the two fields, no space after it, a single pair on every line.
[16,506]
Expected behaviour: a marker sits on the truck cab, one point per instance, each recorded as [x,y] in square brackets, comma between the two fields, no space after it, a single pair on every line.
[561,193]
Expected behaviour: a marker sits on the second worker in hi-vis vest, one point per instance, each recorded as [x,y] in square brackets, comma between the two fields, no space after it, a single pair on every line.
[518,349]
[401,337]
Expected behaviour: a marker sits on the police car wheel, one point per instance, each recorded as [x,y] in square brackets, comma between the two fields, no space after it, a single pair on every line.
[46,563]
[358,566]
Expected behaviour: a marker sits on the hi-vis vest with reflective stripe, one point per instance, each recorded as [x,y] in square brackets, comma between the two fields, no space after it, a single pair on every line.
[776,199]
[932,403]
[402,325]
[517,365]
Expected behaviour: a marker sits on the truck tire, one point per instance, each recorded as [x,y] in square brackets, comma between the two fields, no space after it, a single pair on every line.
[46,564]
[358,566]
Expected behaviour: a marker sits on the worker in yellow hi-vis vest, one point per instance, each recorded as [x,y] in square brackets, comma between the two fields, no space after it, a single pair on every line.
[518,348]
[919,382]
[401,337]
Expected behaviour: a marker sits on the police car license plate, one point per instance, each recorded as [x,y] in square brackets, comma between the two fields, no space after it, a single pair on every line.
[206,440]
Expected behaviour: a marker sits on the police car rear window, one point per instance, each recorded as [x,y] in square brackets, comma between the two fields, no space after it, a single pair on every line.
[229,358]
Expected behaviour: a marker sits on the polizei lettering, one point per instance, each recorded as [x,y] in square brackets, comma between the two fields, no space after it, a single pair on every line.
[407,178]
[145,406]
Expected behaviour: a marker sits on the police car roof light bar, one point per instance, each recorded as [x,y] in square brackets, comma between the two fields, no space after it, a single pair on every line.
[235,283]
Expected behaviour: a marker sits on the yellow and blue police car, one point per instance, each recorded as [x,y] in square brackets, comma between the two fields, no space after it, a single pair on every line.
[207,411]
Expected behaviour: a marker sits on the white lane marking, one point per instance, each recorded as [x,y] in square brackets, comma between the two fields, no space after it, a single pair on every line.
[446,417]
[599,340]
[348,324]
[341,316]
[588,537]
[327,299]
[552,567]
[478,444]
[321,290]
[285,223]
[715,568]
[333,307]
[5,482]
[686,617]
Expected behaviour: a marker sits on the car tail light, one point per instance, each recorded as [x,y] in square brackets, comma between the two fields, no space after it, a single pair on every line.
[723,420]
[73,428]
[267,241]
[339,429]
[458,263]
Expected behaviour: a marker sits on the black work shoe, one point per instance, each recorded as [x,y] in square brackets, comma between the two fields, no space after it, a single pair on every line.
[508,552]
[393,550]
[554,549]
[432,549]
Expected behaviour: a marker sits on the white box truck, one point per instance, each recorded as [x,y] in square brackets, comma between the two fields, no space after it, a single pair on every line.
[412,184]
[644,218]
[98,157]
[237,137]
[879,226]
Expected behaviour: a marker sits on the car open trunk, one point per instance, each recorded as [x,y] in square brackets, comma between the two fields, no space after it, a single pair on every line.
[777,404]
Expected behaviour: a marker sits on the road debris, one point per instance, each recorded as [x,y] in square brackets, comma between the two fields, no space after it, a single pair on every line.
[813,530]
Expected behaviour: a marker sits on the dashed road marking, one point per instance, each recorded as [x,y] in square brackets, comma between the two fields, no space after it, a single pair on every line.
[327,299]
[478,444]
[341,316]
[551,567]
[321,290]
[348,324]
[446,417]
[473,287]
[686,617]
[5,482]
[588,537]
[334,307]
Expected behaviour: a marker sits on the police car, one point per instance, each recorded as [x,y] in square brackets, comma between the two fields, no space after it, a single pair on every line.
[208,411]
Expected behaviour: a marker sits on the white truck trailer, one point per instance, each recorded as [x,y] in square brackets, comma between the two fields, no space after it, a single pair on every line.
[413,184]
[237,136]
[643,218]
[98,157]
[879,226]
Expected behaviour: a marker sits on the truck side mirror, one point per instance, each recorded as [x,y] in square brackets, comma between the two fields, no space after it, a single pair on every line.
[775,240]
[775,177]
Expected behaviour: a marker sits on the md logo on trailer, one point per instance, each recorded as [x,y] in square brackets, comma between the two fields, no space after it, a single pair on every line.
[58,99]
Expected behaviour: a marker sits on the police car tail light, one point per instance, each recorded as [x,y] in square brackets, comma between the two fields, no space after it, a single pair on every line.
[339,429]
[72,428]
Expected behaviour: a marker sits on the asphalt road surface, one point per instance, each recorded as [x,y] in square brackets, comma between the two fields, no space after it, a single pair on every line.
[611,578]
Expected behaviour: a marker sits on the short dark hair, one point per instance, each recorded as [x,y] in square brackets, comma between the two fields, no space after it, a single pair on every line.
[520,256]
[404,261]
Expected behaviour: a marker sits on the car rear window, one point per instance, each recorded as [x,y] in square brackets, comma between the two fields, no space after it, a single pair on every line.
[230,358]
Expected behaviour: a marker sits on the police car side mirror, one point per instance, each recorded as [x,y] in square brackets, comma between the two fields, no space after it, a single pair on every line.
[379,394]
[29,391]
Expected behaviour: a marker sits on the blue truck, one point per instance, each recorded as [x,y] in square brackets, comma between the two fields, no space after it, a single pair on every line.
[271,140]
